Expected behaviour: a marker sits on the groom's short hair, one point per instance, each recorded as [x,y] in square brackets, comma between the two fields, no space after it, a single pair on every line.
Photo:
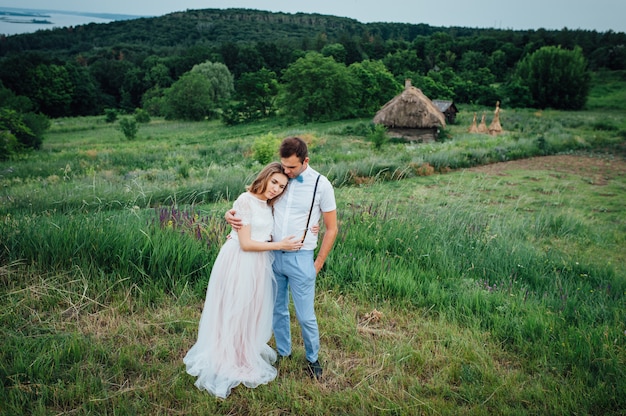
[294,146]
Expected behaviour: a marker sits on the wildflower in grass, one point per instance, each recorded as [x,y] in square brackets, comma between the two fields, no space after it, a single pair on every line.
[485,285]
[189,222]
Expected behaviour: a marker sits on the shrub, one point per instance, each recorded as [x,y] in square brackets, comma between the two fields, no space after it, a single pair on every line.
[22,129]
[129,127]
[423,169]
[110,115]
[8,144]
[142,116]
[378,136]
[265,148]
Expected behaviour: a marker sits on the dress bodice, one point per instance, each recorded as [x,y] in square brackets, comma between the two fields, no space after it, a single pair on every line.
[257,214]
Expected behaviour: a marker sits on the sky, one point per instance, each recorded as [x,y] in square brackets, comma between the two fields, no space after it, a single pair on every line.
[599,15]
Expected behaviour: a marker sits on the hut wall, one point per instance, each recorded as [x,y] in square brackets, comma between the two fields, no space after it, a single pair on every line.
[414,135]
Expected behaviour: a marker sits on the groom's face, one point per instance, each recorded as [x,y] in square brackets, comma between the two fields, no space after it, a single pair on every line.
[293,166]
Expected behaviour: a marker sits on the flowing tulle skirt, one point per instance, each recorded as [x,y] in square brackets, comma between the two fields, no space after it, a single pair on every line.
[236,324]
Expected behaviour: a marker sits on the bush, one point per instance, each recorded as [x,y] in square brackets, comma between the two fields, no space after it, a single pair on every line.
[110,115]
[129,127]
[234,114]
[142,116]
[26,129]
[37,123]
[8,144]
[378,136]
[265,148]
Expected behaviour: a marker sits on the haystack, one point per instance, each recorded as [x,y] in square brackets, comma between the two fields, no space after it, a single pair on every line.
[473,128]
[495,128]
[482,127]
[411,115]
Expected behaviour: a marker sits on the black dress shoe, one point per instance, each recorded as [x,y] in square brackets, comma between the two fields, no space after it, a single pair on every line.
[315,369]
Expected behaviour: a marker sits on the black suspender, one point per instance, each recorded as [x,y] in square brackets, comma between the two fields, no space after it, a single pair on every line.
[311,209]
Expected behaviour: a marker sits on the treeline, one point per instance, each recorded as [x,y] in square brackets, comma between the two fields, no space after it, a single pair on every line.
[175,32]
[131,64]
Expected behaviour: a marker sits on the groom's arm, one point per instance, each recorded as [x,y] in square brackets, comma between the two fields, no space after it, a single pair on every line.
[232,220]
[330,223]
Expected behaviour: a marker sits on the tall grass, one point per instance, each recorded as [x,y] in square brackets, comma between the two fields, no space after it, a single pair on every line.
[204,162]
[461,293]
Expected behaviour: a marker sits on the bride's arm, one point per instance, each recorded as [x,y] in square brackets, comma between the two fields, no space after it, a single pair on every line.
[248,244]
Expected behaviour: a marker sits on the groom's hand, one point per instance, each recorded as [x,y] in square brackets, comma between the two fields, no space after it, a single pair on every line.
[232,220]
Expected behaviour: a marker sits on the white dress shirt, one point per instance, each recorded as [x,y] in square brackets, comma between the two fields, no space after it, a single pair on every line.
[292,209]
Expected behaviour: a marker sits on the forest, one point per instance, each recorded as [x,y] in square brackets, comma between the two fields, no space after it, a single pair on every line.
[242,65]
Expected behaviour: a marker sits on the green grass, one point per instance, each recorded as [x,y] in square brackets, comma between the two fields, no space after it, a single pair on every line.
[458,292]
[608,92]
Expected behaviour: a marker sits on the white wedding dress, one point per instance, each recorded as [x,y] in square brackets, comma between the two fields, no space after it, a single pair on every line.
[236,322]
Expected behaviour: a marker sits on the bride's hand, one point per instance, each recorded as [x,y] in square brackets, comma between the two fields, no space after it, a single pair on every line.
[290,243]
[315,229]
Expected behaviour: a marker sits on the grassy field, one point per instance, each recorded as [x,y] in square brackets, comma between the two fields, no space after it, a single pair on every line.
[457,285]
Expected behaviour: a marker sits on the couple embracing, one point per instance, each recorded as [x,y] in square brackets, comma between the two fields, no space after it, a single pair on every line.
[268,255]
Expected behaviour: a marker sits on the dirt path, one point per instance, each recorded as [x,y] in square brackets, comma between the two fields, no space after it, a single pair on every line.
[600,169]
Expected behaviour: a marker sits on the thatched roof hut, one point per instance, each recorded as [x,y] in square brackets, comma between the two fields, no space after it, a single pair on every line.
[448,108]
[411,115]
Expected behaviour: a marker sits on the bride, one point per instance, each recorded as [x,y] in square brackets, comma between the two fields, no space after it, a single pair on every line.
[236,322]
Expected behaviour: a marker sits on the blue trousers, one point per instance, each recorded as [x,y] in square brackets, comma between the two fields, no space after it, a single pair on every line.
[295,271]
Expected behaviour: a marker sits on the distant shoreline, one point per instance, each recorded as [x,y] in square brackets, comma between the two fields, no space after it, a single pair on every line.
[32,21]
[14,21]
[41,13]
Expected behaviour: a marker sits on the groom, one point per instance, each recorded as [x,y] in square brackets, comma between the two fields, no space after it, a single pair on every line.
[308,198]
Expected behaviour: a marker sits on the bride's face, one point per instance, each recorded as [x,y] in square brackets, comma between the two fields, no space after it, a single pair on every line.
[275,186]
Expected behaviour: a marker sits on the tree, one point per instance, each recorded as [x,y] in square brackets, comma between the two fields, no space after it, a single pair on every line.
[8,144]
[14,123]
[319,88]
[497,65]
[158,76]
[516,95]
[248,60]
[472,60]
[109,75]
[220,79]
[16,72]
[556,78]
[336,51]
[132,89]
[189,98]
[16,102]
[438,50]
[376,86]
[255,97]
[50,89]
[276,57]
[403,61]
[199,93]
[435,89]
[85,95]
[20,128]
